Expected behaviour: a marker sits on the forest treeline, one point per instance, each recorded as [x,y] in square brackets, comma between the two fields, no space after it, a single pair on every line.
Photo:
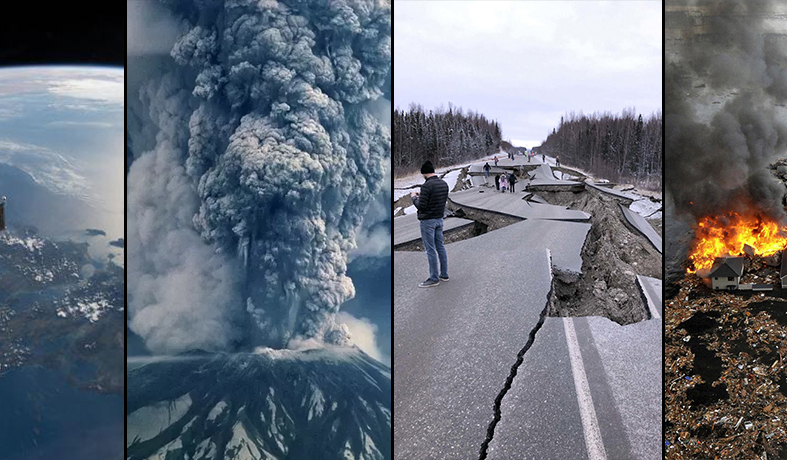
[618,147]
[445,137]
[625,147]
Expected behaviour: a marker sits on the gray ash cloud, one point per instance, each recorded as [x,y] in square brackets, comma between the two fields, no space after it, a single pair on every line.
[256,150]
[717,154]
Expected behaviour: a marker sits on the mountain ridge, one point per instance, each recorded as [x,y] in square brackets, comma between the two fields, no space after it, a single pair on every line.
[271,404]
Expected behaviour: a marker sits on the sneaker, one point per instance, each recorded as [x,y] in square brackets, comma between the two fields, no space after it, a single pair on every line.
[444,278]
[429,283]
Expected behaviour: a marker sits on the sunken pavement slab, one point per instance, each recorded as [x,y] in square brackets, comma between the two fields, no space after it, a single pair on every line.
[407,228]
[642,226]
[626,198]
[512,204]
[489,184]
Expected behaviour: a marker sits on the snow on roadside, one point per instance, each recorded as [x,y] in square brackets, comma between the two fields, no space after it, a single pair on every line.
[404,185]
[410,210]
[407,182]
[645,207]
[399,193]
[451,178]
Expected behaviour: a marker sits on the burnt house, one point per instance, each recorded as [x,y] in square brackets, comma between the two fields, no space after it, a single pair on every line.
[726,273]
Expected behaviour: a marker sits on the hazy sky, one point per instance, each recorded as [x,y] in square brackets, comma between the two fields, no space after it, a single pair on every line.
[526,63]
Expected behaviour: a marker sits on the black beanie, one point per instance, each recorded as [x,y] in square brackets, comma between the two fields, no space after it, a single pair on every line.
[427,168]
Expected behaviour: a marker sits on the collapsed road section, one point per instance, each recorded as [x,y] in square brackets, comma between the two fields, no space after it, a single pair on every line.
[612,257]
[485,367]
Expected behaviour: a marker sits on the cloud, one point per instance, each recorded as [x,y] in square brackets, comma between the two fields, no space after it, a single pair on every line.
[109,91]
[47,167]
[373,238]
[182,293]
[80,124]
[363,333]
[509,60]
[150,29]
[105,85]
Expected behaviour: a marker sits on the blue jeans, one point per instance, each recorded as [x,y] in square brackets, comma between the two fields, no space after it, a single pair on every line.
[432,236]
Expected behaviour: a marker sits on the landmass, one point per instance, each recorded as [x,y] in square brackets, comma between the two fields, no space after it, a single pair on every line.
[56,313]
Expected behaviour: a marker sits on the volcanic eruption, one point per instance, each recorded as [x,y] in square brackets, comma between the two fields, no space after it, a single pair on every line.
[255,147]
[255,152]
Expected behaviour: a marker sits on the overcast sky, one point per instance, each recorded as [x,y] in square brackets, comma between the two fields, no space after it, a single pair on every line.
[526,63]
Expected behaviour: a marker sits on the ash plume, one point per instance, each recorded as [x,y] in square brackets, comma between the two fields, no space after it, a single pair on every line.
[258,146]
[726,87]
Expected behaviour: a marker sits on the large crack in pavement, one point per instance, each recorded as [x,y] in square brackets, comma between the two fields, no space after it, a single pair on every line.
[612,256]
[520,358]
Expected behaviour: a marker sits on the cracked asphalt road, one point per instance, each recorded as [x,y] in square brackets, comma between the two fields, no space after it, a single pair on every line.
[455,345]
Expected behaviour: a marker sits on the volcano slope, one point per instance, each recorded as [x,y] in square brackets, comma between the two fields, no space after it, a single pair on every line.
[274,404]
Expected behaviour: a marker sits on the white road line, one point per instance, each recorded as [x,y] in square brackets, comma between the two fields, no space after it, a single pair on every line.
[593,440]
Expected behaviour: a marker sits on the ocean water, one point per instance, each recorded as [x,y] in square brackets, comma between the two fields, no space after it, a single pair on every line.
[45,417]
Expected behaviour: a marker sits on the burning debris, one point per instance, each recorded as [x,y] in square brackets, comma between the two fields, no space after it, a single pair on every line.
[726,123]
[734,234]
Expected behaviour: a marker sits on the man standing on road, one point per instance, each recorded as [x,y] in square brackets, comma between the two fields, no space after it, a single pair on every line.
[512,182]
[487,168]
[431,208]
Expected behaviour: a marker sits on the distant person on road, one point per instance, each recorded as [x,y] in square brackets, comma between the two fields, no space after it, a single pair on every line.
[2,213]
[431,208]
[521,170]
[487,168]
[497,182]
[557,161]
[543,158]
[495,158]
[503,182]
[512,182]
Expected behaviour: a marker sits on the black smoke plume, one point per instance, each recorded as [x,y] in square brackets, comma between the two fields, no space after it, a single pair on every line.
[725,122]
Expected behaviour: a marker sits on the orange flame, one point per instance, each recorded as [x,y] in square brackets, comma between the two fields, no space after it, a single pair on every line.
[718,236]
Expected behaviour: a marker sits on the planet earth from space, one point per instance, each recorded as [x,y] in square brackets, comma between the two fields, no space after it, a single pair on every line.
[62,264]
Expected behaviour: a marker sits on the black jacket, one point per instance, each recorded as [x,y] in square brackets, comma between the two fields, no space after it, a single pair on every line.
[431,202]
